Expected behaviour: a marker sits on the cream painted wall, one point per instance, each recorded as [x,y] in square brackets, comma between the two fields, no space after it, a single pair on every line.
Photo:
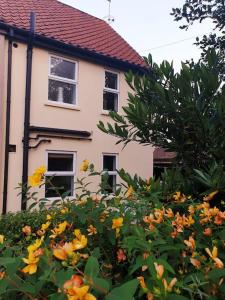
[135,158]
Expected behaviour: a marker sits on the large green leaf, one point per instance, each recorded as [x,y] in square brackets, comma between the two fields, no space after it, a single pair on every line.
[124,292]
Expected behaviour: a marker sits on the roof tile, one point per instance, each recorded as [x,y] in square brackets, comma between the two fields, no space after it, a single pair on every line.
[70,26]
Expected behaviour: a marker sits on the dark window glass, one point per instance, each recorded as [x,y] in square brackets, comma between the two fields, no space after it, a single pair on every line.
[111,80]
[62,183]
[62,68]
[110,101]
[60,162]
[109,184]
[109,162]
[61,91]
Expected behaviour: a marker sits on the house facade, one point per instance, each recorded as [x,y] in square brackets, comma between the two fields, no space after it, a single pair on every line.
[61,71]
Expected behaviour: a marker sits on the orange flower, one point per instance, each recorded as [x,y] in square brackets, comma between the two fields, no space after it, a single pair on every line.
[169,287]
[2,275]
[121,255]
[75,289]
[195,262]
[142,282]
[26,230]
[190,243]
[207,231]
[150,296]
[210,196]
[159,270]
[92,230]
[169,213]
[214,256]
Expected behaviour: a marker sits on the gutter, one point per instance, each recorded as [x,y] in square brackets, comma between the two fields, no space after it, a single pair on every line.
[75,51]
[30,46]
[8,120]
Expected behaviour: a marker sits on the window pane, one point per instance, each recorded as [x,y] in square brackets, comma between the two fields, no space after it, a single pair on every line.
[110,185]
[111,80]
[62,68]
[61,92]
[109,162]
[60,162]
[110,101]
[63,184]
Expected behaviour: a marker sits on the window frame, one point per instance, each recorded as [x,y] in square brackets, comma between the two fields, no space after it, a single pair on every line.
[110,90]
[64,80]
[111,172]
[62,173]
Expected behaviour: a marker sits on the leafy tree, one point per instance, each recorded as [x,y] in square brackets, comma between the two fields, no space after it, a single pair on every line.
[181,112]
[199,10]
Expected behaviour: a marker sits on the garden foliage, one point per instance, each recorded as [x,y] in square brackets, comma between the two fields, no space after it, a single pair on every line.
[144,243]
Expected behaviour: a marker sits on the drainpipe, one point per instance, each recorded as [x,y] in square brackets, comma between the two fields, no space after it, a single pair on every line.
[27,108]
[8,117]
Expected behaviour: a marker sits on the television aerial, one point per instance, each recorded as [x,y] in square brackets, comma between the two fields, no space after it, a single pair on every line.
[109,18]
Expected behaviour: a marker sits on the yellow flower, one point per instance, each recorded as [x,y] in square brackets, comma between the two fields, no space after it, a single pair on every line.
[35,179]
[31,267]
[31,261]
[214,256]
[84,166]
[64,210]
[117,223]
[48,217]
[159,270]
[36,245]
[66,252]
[2,237]
[59,229]
[41,170]
[45,226]
[179,197]
[80,242]
[129,192]
[92,230]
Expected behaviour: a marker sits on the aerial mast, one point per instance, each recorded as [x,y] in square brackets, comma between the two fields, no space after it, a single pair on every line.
[109,18]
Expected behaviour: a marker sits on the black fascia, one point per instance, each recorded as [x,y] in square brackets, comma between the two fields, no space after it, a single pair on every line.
[71,132]
[74,51]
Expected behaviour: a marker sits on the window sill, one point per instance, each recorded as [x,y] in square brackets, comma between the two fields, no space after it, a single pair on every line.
[106,112]
[62,105]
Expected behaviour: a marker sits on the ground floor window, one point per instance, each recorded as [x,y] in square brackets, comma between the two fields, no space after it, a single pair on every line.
[60,174]
[110,165]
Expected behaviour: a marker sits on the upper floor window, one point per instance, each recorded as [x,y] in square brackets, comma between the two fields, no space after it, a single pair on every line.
[62,80]
[111,91]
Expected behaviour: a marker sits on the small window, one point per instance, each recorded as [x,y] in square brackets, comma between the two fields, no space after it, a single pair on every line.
[110,165]
[62,173]
[111,92]
[62,81]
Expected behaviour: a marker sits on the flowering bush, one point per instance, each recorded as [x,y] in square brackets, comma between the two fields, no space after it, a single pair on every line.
[134,245]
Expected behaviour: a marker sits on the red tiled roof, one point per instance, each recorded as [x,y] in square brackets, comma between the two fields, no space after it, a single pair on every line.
[69,25]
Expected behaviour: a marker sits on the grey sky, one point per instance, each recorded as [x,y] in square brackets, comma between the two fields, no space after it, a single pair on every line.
[148,26]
